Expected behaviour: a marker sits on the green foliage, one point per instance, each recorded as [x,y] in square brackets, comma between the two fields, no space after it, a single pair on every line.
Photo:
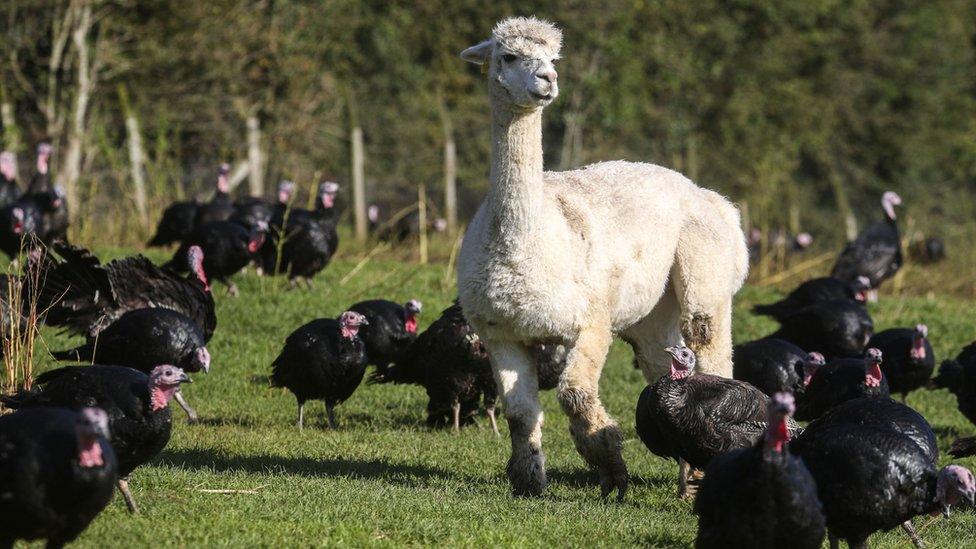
[778,104]
[383,477]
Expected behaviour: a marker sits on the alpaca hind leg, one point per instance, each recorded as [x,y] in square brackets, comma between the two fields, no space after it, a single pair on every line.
[706,316]
[709,268]
[518,385]
[597,436]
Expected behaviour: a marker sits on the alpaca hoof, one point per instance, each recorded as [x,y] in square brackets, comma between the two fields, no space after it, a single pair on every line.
[602,451]
[611,480]
[527,473]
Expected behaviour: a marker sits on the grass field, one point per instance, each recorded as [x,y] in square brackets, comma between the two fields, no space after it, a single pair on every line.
[385,478]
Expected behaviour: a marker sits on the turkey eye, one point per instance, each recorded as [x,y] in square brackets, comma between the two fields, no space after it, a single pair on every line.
[509,58]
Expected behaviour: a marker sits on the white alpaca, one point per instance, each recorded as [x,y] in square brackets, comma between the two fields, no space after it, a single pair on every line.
[575,257]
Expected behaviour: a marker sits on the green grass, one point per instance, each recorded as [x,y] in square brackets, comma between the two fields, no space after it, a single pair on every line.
[385,478]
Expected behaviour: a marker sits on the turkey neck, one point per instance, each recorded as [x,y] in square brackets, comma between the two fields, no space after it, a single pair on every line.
[516,194]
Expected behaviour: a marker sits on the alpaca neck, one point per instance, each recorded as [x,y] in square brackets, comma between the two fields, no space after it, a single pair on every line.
[516,171]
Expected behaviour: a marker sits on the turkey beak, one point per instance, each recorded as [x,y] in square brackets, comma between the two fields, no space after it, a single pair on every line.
[363,322]
[184,378]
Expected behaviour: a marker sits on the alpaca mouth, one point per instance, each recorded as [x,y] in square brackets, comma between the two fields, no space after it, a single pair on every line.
[540,96]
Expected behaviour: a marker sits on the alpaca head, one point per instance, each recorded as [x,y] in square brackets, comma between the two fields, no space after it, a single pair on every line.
[519,58]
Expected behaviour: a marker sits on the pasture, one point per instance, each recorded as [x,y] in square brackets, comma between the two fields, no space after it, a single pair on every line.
[245,475]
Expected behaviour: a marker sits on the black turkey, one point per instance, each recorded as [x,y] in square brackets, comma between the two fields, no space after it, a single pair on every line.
[775,365]
[451,363]
[908,358]
[818,290]
[177,223]
[54,216]
[889,414]
[22,224]
[227,248]
[40,181]
[959,376]
[839,328]
[137,406]
[927,250]
[57,472]
[876,252]
[693,418]
[322,360]
[840,380]
[763,496]
[391,329]
[307,242]
[221,206]
[253,214]
[872,474]
[143,339]
[84,296]
[9,190]
[449,360]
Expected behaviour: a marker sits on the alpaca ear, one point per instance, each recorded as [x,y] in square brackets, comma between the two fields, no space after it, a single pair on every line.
[479,53]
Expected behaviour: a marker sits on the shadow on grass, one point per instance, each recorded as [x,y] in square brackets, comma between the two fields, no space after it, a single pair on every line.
[389,471]
[235,421]
[584,478]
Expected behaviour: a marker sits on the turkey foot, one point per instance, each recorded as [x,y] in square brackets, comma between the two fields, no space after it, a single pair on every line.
[130,502]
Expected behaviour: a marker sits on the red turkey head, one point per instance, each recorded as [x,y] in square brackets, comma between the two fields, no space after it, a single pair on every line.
[43,157]
[8,165]
[194,258]
[17,215]
[412,311]
[223,178]
[683,361]
[255,242]
[285,191]
[164,381]
[201,359]
[918,342]
[92,424]
[350,322]
[780,408]
[954,485]
[872,368]
[862,285]
[327,193]
[810,366]
[889,200]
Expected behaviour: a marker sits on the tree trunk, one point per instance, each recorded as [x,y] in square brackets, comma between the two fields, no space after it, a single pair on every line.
[137,159]
[843,206]
[450,167]
[255,155]
[422,221]
[71,169]
[11,133]
[358,184]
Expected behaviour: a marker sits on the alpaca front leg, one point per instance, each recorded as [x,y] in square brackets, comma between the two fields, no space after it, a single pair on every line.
[596,435]
[517,381]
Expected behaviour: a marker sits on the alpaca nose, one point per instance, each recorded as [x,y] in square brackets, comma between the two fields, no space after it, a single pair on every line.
[548,75]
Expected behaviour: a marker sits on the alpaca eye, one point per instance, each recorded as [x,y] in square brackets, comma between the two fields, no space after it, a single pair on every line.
[509,58]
